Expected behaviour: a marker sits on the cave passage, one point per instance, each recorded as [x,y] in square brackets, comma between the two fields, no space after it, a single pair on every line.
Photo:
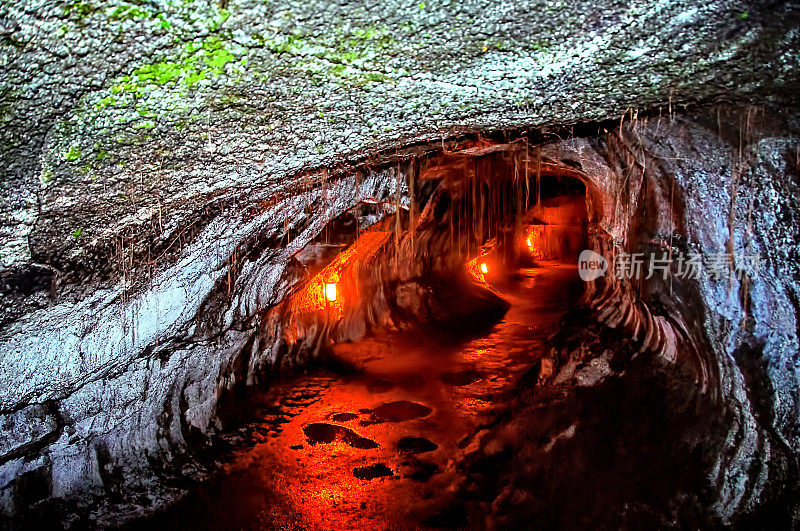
[457,372]
[381,443]
[399,265]
[378,434]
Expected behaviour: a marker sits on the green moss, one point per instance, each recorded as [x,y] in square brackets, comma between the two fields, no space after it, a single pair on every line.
[144,112]
[73,155]
[292,44]
[46,176]
[147,124]
[258,39]
[376,76]
[345,56]
[77,233]
[163,91]
[217,60]
[344,47]
[214,23]
[137,10]
[163,22]
[105,102]
[126,11]
[158,73]
[77,10]
[231,100]
[198,61]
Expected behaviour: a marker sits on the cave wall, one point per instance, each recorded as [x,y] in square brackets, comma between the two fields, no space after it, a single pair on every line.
[668,403]
[111,394]
[125,123]
[160,165]
[123,388]
[740,196]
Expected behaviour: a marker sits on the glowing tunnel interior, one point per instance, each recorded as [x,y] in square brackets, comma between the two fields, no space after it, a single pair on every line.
[475,214]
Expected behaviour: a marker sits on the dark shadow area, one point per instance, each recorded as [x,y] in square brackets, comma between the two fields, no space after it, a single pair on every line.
[617,445]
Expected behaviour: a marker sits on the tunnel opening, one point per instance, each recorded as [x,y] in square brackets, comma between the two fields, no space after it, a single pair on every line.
[556,226]
[418,312]
[421,315]
[470,222]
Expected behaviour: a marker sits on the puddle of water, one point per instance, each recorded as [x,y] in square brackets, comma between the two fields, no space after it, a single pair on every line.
[377,470]
[343,417]
[322,433]
[398,411]
[416,445]
[415,396]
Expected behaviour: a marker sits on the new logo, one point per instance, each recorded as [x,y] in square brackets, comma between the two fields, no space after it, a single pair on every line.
[591,265]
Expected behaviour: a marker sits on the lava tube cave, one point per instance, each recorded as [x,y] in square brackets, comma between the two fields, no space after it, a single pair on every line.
[439,265]
[474,340]
[422,323]
[469,372]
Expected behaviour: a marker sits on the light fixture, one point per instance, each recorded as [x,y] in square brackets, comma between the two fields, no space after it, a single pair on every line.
[530,244]
[330,291]
[484,268]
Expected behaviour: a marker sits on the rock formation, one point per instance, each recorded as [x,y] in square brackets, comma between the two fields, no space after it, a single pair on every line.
[164,163]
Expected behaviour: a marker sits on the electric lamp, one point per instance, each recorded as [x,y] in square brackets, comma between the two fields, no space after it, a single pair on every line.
[484,268]
[330,291]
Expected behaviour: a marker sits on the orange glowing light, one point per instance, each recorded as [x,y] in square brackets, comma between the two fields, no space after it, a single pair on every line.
[535,240]
[330,291]
[484,268]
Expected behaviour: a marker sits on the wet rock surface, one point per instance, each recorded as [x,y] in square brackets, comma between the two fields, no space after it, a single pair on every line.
[422,471]
[460,378]
[422,432]
[344,417]
[759,393]
[626,451]
[378,470]
[164,163]
[398,411]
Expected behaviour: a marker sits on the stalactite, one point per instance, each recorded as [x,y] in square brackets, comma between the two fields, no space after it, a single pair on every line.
[397,227]
[538,175]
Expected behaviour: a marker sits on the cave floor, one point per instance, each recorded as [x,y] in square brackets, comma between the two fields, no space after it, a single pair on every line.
[378,447]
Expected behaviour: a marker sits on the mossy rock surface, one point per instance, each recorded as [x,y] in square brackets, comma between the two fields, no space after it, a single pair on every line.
[168,104]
